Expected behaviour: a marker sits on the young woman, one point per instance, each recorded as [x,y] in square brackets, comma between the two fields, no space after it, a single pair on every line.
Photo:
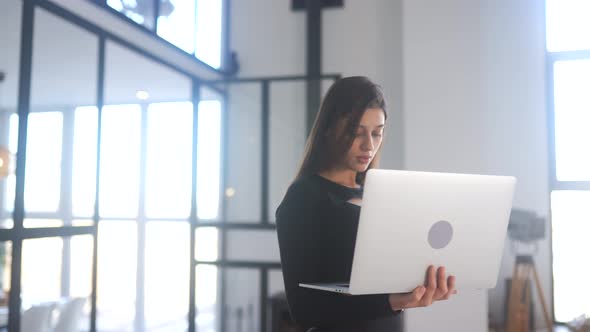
[318,218]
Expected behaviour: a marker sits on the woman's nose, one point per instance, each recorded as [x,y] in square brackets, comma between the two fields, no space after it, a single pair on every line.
[368,144]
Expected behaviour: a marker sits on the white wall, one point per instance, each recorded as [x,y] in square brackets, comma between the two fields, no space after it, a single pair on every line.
[474,101]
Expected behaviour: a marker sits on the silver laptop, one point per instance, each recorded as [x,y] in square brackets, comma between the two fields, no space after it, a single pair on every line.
[410,220]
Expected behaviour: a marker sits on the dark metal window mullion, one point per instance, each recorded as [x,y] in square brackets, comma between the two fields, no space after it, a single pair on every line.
[96,219]
[265,169]
[193,219]
[24,104]
[156,14]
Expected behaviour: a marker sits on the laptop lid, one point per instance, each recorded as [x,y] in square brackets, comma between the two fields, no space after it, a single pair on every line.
[410,220]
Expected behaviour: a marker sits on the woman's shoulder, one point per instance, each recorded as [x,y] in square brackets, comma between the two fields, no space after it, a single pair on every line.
[304,191]
[307,185]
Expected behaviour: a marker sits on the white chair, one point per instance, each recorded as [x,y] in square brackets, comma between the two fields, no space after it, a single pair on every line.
[37,318]
[70,314]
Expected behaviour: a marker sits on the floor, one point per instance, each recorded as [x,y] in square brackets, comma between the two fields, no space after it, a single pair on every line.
[555,329]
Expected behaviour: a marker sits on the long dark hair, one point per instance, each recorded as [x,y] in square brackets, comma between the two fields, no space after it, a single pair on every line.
[335,125]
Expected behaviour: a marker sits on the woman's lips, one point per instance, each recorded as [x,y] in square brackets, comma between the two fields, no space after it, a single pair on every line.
[363,160]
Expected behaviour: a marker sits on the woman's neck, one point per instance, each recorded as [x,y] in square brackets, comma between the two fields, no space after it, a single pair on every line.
[344,177]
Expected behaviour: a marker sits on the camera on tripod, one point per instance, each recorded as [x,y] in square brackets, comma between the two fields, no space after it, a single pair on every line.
[525,226]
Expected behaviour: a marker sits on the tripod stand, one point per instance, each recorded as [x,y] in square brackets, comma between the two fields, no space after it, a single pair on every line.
[519,302]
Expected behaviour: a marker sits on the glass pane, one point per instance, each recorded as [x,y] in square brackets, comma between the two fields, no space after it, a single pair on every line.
[13,133]
[41,271]
[81,265]
[132,82]
[243,183]
[117,267]
[84,161]
[131,78]
[251,245]
[572,119]
[6,223]
[82,222]
[167,275]
[176,23]
[278,306]
[10,30]
[287,138]
[36,223]
[208,159]
[568,27]
[119,161]
[209,22]
[276,286]
[571,226]
[44,160]
[10,180]
[169,160]
[5,270]
[64,73]
[64,77]
[141,11]
[206,290]
[81,273]
[243,300]
[206,244]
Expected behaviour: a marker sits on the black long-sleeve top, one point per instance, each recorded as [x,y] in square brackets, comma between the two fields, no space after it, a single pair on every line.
[317,229]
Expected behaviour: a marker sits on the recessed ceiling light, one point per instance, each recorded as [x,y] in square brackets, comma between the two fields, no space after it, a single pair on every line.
[142,95]
[230,192]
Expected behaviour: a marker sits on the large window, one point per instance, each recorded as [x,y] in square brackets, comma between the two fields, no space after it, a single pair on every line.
[568,47]
[149,199]
[167,192]
[195,26]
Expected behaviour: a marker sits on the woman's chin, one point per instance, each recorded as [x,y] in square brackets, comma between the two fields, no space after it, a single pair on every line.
[361,168]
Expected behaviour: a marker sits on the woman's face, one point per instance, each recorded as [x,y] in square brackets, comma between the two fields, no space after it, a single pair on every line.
[367,140]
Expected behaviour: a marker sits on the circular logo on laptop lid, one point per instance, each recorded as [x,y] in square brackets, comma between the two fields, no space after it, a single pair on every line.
[440,234]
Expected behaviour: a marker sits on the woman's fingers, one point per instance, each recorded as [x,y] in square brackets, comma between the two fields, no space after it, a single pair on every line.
[417,294]
[430,287]
[451,285]
[411,300]
[442,289]
[438,287]
[407,300]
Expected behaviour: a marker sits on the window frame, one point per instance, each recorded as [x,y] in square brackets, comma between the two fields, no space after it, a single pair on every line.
[225,35]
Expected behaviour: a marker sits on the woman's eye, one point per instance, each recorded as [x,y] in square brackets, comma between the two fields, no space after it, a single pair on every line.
[377,134]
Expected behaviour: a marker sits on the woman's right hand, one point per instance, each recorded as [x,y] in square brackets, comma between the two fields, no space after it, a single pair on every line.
[438,287]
